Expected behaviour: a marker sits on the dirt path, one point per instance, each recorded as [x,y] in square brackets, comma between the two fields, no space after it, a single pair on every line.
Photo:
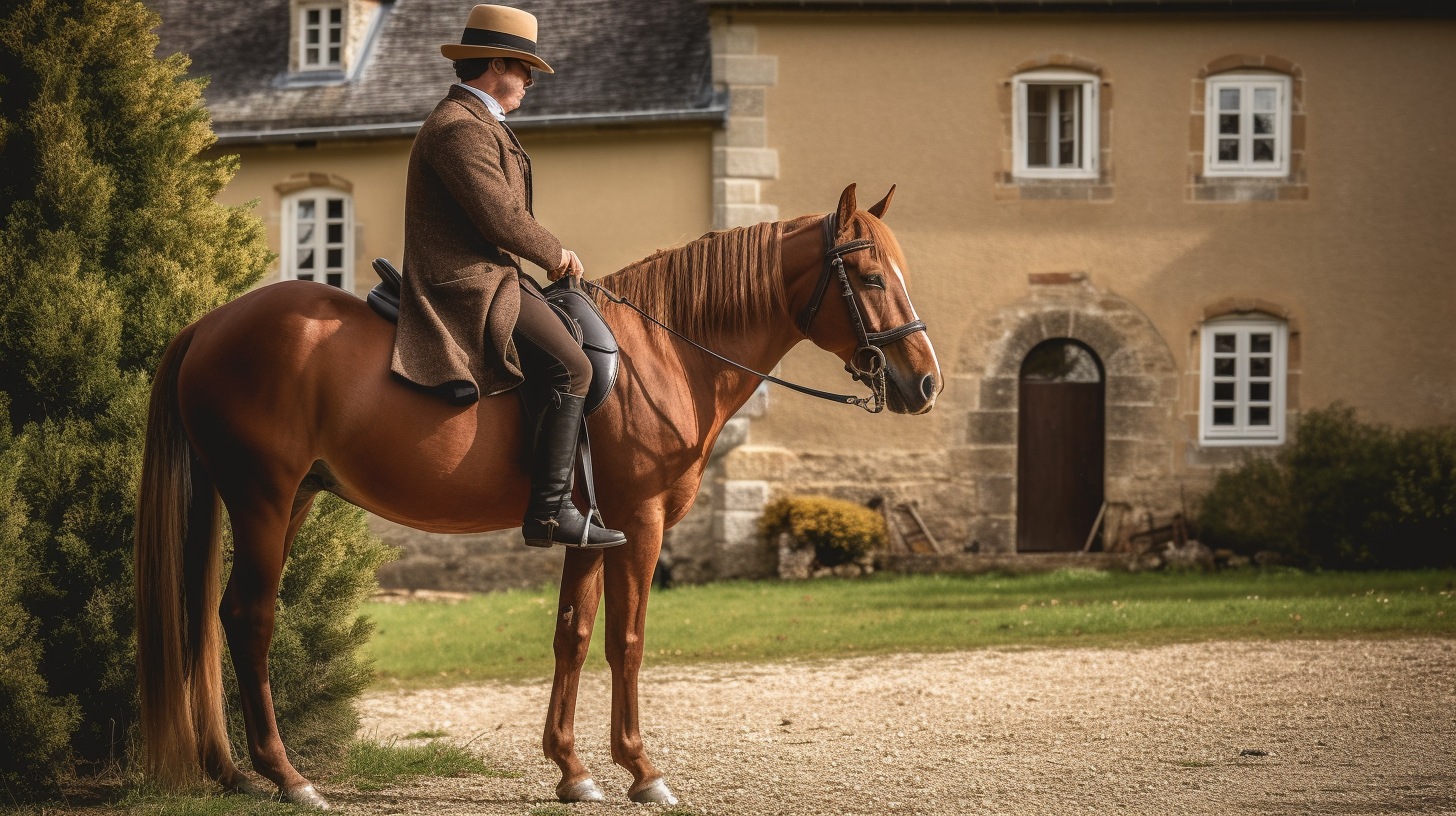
[1349,727]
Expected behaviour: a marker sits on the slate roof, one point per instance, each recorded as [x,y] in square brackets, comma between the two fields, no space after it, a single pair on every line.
[615,61]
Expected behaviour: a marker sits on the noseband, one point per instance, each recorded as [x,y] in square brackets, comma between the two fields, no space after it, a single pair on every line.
[871,344]
[867,364]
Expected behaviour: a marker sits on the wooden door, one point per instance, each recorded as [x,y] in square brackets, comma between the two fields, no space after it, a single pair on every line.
[1060,443]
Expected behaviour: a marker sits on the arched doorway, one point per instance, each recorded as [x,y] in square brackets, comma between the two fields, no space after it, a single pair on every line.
[1059,445]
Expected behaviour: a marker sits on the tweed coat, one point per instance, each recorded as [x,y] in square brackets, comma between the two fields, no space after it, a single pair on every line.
[467,218]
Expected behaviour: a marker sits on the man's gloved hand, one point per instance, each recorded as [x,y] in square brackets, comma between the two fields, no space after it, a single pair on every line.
[569,263]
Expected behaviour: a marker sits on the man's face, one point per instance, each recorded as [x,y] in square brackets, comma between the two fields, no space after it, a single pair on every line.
[512,84]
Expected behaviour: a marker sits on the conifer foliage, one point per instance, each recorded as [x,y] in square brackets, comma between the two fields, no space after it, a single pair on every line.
[111,243]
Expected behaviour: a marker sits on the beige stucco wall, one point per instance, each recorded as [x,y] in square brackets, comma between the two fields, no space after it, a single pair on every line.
[1363,264]
[612,196]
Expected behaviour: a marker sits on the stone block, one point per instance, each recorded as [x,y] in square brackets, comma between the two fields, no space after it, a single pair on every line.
[757,404]
[1136,422]
[747,101]
[998,394]
[735,191]
[1154,458]
[747,131]
[742,69]
[991,428]
[1055,192]
[1134,390]
[728,216]
[741,495]
[735,39]
[990,534]
[745,162]
[736,526]
[996,495]
[984,461]
[1121,456]
[734,433]
[1058,322]
[961,392]
[758,462]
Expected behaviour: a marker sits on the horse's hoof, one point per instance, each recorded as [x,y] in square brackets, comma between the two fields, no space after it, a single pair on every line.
[247,787]
[656,793]
[584,791]
[305,796]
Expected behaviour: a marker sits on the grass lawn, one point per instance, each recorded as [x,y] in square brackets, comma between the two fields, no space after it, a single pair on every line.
[508,635]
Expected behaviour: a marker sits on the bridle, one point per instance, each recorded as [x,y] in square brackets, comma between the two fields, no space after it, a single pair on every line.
[871,344]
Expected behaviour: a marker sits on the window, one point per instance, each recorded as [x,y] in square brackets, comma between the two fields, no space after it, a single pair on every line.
[1247,125]
[322,31]
[317,224]
[1243,381]
[1055,127]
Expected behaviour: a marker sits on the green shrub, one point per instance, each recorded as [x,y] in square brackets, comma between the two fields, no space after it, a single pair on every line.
[1343,494]
[839,531]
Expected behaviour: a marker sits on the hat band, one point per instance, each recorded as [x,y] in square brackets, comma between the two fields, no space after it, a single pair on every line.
[499,39]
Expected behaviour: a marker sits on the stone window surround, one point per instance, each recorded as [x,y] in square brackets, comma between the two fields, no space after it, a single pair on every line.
[1294,186]
[299,182]
[1009,186]
[1193,375]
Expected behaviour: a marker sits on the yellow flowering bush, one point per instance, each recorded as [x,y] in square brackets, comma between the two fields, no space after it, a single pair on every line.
[839,531]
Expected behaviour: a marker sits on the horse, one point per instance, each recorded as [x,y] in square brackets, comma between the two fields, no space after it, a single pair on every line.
[285,392]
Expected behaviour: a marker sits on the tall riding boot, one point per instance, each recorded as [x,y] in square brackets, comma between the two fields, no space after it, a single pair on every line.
[551,516]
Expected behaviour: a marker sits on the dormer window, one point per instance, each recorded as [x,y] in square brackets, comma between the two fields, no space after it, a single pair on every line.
[322,31]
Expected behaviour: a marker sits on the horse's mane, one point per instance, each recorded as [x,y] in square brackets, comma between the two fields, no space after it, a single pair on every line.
[720,282]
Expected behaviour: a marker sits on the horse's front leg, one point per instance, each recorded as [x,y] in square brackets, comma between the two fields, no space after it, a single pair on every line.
[581,592]
[628,574]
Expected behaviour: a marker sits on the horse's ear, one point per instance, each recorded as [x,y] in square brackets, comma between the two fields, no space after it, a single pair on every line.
[845,214]
[878,210]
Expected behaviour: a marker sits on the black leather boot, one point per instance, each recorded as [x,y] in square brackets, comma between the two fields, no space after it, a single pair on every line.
[551,516]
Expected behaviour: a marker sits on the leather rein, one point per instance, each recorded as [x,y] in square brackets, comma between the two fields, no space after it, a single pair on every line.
[871,344]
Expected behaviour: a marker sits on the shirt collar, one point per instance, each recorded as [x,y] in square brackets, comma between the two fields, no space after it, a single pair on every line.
[495,107]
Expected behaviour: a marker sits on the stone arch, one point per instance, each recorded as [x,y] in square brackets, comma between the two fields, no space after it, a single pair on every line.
[1143,431]
[1264,62]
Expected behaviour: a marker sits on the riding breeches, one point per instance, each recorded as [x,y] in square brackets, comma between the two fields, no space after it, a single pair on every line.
[550,357]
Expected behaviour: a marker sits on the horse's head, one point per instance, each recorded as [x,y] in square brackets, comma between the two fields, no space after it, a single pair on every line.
[875,330]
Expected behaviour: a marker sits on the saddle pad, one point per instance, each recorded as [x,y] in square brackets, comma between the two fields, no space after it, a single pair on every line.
[577,310]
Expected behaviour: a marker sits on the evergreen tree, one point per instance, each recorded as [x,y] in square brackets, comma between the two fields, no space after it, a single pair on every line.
[112,243]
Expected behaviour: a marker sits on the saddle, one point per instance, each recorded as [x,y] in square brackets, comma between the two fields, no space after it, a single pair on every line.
[575,308]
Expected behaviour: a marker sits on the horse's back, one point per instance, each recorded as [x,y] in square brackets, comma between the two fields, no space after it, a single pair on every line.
[297,372]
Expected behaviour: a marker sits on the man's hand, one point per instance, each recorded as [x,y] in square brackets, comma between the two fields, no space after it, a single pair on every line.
[569,263]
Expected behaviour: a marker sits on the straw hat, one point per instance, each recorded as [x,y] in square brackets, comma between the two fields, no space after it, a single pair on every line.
[498,31]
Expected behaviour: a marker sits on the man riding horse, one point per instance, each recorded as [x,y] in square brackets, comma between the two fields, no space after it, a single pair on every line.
[471,323]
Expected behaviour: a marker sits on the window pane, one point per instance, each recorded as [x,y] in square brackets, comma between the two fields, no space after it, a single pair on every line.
[1228,123]
[1258,392]
[1223,416]
[1263,124]
[313,17]
[307,277]
[1263,150]
[336,258]
[1225,343]
[311,36]
[336,15]
[305,210]
[1264,99]
[333,55]
[336,35]
[1228,99]
[1223,392]
[1068,99]
[1259,366]
[336,208]
[1259,415]
[1226,367]
[335,279]
[305,234]
[312,57]
[1261,343]
[1228,150]
[305,260]
[336,233]
[1038,104]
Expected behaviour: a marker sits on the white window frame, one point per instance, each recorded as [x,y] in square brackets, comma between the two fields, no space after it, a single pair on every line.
[1241,433]
[1247,81]
[324,26]
[1087,133]
[288,249]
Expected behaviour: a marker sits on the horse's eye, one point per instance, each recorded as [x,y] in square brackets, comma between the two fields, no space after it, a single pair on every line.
[875,281]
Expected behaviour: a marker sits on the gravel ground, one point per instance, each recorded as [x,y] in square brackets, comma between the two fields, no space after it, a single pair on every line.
[1348,726]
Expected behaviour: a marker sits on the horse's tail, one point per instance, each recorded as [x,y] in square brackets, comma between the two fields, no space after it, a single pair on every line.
[178,550]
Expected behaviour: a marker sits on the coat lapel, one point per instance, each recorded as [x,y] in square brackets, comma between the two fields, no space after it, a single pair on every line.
[472,103]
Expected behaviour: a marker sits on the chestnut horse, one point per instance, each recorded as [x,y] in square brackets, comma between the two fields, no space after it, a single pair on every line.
[286,391]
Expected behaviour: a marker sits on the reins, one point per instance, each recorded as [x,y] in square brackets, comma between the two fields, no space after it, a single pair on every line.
[870,343]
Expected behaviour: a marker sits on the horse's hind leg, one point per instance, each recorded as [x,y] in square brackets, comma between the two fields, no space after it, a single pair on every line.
[262,534]
[581,592]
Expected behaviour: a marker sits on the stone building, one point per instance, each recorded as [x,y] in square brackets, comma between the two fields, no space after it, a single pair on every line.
[1145,236]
